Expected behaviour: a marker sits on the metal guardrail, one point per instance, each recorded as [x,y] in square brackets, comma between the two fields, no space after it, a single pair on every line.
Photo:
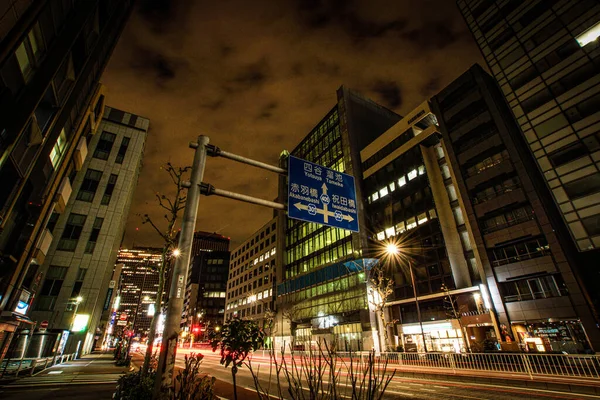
[526,364]
[31,365]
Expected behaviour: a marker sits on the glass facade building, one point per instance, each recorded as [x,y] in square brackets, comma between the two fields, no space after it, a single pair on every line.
[544,56]
[321,288]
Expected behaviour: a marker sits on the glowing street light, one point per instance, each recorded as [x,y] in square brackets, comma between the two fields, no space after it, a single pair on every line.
[392,249]
[176,252]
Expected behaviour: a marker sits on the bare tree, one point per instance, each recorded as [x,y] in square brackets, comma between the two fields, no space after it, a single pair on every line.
[381,287]
[172,205]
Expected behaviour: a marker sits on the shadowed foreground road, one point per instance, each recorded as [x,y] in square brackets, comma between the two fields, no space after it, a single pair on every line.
[95,377]
[399,388]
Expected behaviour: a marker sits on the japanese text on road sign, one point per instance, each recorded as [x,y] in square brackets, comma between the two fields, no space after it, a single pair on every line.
[322,195]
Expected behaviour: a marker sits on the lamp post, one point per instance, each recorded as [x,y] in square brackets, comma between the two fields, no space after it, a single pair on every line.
[78,301]
[393,250]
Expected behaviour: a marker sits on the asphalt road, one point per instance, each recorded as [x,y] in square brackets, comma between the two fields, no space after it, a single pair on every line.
[95,378]
[399,387]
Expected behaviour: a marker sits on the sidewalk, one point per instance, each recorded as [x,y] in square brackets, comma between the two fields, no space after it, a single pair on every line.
[94,376]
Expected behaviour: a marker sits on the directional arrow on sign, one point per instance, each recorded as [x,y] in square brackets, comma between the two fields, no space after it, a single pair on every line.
[324,211]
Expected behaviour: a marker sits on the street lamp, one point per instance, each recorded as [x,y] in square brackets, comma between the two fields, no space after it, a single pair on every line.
[176,252]
[393,250]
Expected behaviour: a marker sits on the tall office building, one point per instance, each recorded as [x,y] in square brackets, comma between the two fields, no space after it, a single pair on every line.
[544,56]
[52,53]
[455,182]
[320,291]
[88,232]
[252,277]
[137,290]
[204,304]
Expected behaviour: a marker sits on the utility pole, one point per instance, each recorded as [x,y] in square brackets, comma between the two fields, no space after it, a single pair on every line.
[166,362]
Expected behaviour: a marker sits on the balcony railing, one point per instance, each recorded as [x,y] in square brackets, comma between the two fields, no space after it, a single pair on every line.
[521,257]
[512,222]
[535,295]
[483,198]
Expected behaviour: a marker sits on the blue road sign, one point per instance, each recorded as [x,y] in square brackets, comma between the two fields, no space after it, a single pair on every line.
[322,195]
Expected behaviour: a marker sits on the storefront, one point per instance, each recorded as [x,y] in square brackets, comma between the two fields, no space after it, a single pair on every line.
[439,337]
[348,337]
[551,336]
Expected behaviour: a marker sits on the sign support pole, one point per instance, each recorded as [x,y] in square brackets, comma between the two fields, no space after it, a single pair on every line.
[168,349]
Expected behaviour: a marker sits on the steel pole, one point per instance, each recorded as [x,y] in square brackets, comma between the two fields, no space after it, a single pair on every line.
[412,277]
[168,349]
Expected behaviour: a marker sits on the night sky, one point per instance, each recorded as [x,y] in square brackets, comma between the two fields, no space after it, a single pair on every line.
[256,76]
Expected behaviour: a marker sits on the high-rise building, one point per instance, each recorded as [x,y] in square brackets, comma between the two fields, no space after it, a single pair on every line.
[52,53]
[137,290]
[454,186]
[252,277]
[321,294]
[206,286]
[78,266]
[544,56]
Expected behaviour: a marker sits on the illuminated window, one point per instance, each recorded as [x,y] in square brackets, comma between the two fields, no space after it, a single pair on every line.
[401,181]
[58,149]
[445,171]
[375,196]
[381,235]
[589,36]
[411,223]
[400,228]
[389,232]
[421,170]
[392,187]
[422,218]
[412,174]
[383,192]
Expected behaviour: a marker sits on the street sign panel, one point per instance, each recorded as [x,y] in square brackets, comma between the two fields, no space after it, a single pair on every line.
[321,195]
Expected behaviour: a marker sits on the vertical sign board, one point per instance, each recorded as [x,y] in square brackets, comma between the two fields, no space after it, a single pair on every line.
[321,195]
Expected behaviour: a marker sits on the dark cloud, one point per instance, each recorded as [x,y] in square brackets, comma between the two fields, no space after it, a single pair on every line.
[431,87]
[361,29]
[165,15]
[389,92]
[432,36]
[268,110]
[317,14]
[252,75]
[163,68]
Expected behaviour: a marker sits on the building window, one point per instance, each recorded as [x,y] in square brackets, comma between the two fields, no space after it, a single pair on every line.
[72,232]
[592,225]
[110,188]
[58,149]
[522,251]
[542,287]
[91,244]
[90,183]
[76,288]
[30,51]
[122,150]
[51,288]
[508,218]
[583,187]
[104,145]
